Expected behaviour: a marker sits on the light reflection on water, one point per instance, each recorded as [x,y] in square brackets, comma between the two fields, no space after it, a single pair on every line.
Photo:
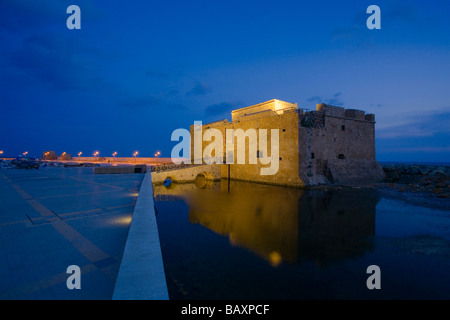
[248,241]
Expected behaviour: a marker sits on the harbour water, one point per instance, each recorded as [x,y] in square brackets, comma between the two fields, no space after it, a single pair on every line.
[249,241]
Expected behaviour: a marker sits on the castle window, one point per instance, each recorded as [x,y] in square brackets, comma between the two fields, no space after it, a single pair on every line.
[341,156]
[284,130]
[343,128]
[312,155]
[281,158]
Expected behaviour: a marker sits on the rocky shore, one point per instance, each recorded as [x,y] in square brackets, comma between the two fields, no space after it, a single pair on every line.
[429,179]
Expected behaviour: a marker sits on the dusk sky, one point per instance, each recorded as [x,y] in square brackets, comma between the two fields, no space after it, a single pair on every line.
[138,70]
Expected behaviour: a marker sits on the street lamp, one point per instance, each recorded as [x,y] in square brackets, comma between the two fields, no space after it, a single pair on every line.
[134,155]
[96,154]
[25,153]
[156,155]
[79,155]
[114,155]
[1,151]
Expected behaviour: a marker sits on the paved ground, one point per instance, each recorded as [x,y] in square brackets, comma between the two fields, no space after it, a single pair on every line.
[55,217]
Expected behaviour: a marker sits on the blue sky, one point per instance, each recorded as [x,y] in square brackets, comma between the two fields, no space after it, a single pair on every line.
[138,70]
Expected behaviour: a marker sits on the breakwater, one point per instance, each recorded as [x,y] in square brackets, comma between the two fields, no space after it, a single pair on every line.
[433,179]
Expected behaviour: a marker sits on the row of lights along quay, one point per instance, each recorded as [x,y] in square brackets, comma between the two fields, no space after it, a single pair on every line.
[95,157]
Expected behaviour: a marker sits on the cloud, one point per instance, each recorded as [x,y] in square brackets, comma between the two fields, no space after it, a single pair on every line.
[333,100]
[57,61]
[171,93]
[353,38]
[346,33]
[393,14]
[157,74]
[42,51]
[199,89]
[160,101]
[416,149]
[425,125]
[221,109]
[401,11]
[17,16]
[140,102]
[315,99]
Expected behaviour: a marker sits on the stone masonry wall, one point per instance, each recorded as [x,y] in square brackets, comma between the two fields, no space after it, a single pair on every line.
[287,124]
[337,145]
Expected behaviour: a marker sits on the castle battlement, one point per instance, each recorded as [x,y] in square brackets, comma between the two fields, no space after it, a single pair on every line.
[275,106]
[341,112]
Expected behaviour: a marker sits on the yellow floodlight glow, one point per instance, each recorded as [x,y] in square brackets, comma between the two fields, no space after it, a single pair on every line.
[126,220]
[275,258]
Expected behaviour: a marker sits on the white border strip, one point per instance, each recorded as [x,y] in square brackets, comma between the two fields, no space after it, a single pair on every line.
[141,275]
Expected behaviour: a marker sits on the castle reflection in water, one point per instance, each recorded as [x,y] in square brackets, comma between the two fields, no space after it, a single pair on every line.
[281,225]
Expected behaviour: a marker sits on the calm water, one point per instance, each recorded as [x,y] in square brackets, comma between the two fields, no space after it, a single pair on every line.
[261,242]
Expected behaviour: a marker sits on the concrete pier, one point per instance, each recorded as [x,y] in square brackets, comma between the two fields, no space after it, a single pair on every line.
[141,275]
[53,218]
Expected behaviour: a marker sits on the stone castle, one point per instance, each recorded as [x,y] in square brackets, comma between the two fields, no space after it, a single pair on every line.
[328,145]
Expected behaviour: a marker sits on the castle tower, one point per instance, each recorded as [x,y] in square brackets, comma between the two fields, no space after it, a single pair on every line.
[328,145]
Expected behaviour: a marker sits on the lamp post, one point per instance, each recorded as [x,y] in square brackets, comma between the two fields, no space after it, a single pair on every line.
[25,153]
[114,155]
[95,155]
[156,155]
[135,154]
[1,152]
[79,155]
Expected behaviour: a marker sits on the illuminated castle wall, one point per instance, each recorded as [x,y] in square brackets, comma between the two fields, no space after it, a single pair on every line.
[328,145]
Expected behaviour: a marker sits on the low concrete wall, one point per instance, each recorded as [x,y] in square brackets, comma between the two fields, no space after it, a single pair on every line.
[141,275]
[121,169]
[187,174]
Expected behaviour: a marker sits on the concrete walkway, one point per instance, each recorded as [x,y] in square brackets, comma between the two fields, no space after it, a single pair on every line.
[52,218]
